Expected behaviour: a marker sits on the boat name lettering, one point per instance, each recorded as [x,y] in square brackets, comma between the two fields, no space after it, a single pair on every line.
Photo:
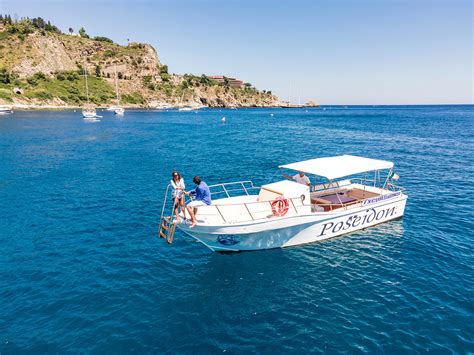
[358,220]
[228,239]
[380,198]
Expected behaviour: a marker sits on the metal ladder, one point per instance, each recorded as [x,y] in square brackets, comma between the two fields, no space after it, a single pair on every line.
[167,229]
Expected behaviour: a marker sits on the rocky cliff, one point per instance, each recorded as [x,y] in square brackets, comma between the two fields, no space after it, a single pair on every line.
[41,67]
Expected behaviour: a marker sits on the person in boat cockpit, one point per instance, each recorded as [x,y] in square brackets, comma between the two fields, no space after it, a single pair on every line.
[202,198]
[300,178]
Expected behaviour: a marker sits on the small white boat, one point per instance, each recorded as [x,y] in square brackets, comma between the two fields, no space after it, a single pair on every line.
[186,108]
[118,110]
[4,110]
[164,106]
[88,112]
[285,213]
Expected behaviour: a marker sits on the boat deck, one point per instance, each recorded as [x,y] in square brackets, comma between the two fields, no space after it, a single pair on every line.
[339,199]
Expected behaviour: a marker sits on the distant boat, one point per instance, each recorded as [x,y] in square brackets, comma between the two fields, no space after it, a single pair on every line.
[164,106]
[88,112]
[189,106]
[4,110]
[118,110]
[292,106]
[289,104]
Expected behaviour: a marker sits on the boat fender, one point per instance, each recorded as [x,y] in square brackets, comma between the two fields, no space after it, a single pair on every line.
[280,206]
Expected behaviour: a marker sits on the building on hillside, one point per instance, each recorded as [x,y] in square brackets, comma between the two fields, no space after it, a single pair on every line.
[233,82]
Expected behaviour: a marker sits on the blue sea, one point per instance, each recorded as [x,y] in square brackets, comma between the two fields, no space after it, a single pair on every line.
[82,269]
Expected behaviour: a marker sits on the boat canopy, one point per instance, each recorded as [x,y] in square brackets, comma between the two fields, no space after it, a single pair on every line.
[339,166]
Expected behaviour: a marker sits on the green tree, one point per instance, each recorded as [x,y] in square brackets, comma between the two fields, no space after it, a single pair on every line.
[5,76]
[97,70]
[164,69]
[82,33]
[226,83]
[205,81]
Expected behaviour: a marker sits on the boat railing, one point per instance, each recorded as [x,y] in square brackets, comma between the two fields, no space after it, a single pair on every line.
[251,214]
[226,188]
[232,187]
[373,183]
[298,204]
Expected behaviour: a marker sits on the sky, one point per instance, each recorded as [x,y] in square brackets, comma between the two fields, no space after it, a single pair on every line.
[332,51]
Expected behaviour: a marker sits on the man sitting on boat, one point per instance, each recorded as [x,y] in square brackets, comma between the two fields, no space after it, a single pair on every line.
[202,198]
[300,178]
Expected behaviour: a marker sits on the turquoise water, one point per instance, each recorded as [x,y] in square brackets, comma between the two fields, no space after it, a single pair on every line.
[81,269]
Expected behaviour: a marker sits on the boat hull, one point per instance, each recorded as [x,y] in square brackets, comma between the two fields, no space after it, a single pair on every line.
[296,230]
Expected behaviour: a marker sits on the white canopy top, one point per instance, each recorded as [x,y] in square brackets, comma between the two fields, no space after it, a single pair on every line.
[338,167]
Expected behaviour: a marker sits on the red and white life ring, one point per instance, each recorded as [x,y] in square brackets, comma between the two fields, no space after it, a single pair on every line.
[280,206]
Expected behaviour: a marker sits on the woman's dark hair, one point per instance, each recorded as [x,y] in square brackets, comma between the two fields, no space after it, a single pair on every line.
[176,173]
[197,180]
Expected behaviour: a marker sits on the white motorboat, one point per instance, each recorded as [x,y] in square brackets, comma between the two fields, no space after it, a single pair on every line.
[285,213]
[164,106]
[186,108]
[4,110]
[120,111]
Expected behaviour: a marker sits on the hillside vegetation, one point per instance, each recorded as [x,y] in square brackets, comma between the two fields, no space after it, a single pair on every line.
[40,65]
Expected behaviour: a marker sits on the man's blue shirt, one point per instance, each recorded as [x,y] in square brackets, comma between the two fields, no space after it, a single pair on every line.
[202,193]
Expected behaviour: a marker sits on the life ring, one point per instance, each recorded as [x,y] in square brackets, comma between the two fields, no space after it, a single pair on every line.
[280,206]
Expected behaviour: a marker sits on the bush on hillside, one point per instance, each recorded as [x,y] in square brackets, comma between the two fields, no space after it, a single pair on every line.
[6,77]
[102,39]
[82,33]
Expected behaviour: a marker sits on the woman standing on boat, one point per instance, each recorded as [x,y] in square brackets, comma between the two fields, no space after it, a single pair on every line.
[177,183]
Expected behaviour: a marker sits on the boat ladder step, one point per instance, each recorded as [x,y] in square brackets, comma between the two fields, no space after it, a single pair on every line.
[167,229]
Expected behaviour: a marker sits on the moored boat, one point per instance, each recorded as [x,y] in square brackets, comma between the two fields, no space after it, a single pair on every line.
[186,108]
[118,110]
[286,213]
[88,112]
[5,110]
[164,106]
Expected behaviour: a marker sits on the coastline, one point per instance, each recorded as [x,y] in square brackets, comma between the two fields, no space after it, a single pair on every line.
[35,107]
[25,107]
